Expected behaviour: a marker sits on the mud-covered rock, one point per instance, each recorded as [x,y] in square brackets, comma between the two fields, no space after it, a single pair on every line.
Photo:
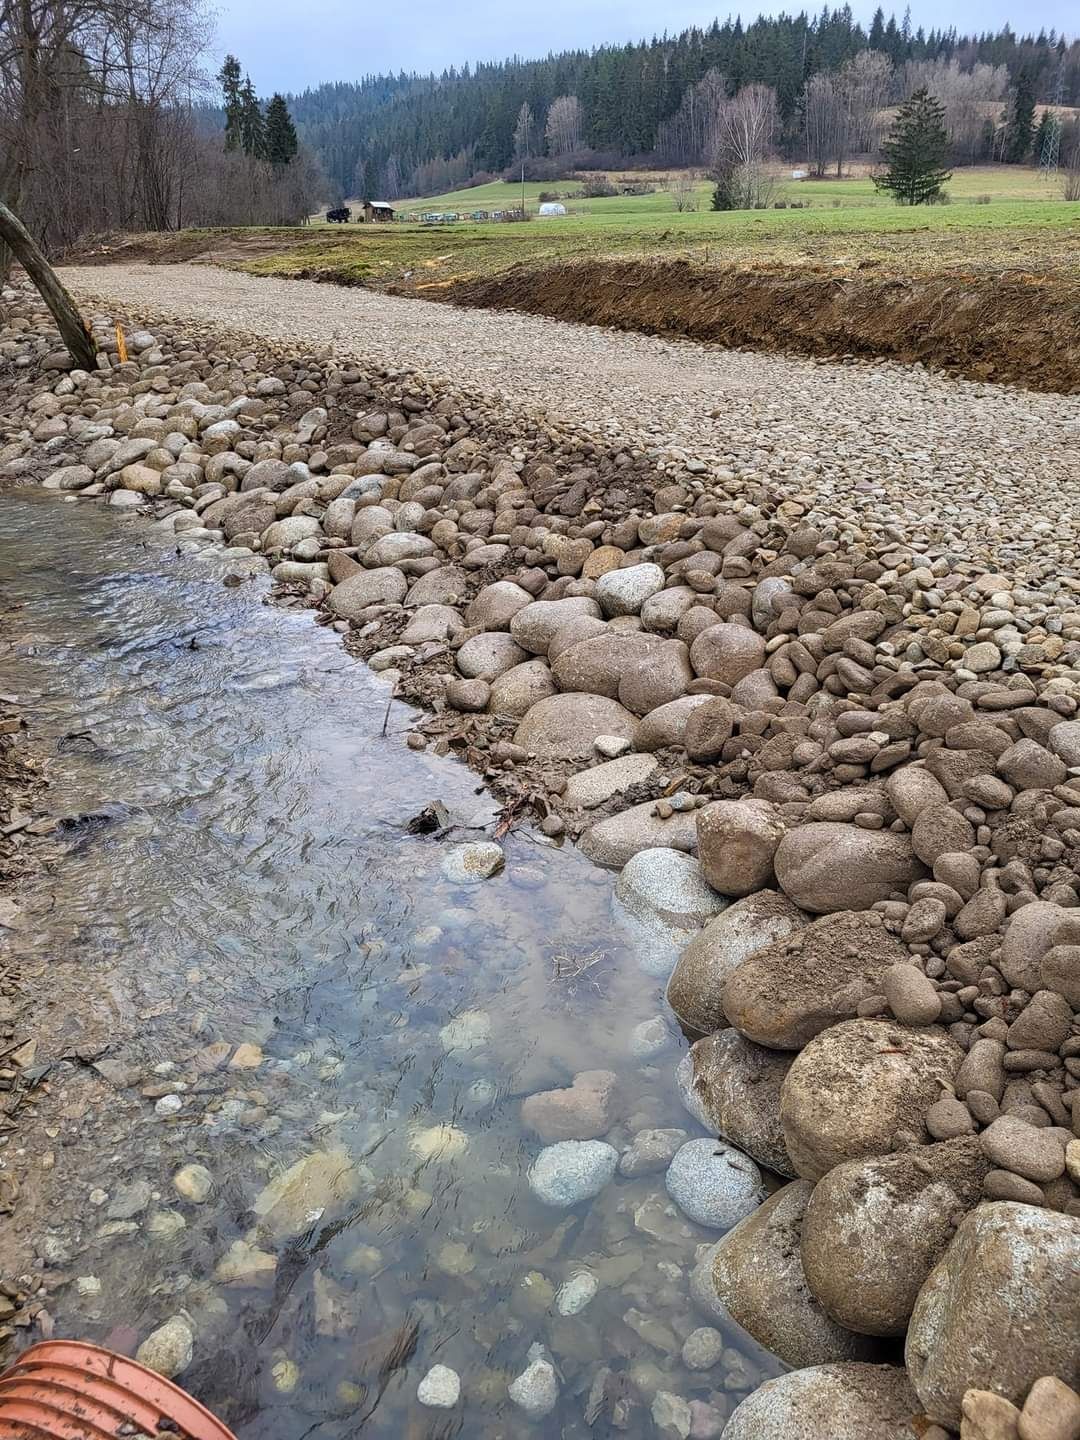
[999,1309]
[858,1087]
[876,1227]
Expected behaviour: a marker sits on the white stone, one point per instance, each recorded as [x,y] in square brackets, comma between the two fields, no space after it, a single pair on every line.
[671,1414]
[666,885]
[572,1296]
[611,746]
[440,1389]
[623,592]
[565,1174]
[536,1389]
[169,1348]
[714,1184]
[465,864]
[471,1030]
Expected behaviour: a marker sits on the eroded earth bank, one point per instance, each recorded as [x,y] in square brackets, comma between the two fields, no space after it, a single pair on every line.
[795,651]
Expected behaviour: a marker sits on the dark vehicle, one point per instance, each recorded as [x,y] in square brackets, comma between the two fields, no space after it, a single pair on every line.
[340,216]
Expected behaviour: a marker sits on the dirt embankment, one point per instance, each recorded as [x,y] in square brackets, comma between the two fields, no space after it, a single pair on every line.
[1017,329]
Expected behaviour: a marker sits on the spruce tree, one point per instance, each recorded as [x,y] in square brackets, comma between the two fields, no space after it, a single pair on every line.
[915,151]
[252,125]
[281,142]
[1022,122]
[229,79]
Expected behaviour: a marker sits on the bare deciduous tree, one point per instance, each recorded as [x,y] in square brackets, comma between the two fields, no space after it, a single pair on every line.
[524,132]
[690,136]
[970,97]
[826,121]
[564,125]
[746,128]
[684,191]
[869,78]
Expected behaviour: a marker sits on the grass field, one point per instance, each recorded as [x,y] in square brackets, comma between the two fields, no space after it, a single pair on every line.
[999,182]
[844,226]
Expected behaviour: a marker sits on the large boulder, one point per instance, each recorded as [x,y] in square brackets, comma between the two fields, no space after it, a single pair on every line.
[655,680]
[999,1310]
[733,1087]
[401,545]
[241,514]
[757,1277]
[596,665]
[786,993]
[1030,932]
[666,725]
[565,727]
[727,652]
[695,989]
[495,605]
[518,689]
[666,884]
[284,534]
[827,865]
[737,841]
[446,585]
[847,1401]
[371,587]
[269,475]
[623,592]
[534,625]
[857,1087]
[489,654]
[612,841]
[875,1228]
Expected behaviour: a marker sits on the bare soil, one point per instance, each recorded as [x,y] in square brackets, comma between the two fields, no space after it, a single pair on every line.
[1017,329]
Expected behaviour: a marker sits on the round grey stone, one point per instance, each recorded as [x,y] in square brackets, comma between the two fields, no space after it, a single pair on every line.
[714,1184]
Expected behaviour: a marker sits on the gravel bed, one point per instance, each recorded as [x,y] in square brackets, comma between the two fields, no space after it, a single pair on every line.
[993,470]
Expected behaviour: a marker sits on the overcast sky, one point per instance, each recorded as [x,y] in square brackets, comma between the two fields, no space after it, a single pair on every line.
[285,46]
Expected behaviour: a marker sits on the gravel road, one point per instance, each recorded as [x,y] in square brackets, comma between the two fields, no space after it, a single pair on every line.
[989,470]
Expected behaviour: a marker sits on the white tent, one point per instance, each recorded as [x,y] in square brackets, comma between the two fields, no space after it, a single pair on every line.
[551,208]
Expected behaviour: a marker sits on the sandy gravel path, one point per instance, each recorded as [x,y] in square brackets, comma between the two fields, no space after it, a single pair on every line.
[986,468]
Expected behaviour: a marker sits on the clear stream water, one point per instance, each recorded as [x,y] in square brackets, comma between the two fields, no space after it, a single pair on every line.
[246,876]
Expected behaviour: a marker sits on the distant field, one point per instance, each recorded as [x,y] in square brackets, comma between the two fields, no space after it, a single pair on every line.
[999,182]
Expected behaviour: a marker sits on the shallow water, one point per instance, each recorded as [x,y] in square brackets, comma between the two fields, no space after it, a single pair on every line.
[238,870]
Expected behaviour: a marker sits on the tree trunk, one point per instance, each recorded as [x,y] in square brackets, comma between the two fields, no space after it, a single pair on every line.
[73,329]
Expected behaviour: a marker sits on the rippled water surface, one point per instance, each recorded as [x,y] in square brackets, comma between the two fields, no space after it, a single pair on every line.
[238,871]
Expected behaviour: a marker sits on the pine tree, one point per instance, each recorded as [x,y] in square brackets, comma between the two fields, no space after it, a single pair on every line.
[229,79]
[252,124]
[1022,122]
[915,151]
[281,142]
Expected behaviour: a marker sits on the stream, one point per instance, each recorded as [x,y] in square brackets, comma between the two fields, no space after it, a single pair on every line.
[238,871]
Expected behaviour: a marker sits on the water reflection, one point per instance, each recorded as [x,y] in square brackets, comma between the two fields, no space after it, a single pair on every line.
[238,873]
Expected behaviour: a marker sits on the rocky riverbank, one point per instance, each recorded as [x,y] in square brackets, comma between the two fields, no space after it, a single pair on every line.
[836,759]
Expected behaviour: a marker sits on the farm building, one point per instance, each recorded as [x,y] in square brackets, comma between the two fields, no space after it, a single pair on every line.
[375,210]
[551,207]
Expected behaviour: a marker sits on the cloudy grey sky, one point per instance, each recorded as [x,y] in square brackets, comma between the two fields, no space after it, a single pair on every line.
[286,46]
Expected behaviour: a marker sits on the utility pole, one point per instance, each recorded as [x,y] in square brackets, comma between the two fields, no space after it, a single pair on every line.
[524,153]
[1051,147]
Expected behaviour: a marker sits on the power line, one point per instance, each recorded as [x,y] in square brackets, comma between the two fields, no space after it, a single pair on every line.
[1051,146]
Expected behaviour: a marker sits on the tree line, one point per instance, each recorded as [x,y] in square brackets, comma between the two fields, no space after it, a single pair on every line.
[408,134]
[105,125]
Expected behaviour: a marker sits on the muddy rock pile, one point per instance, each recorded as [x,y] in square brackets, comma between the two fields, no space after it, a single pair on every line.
[867,737]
